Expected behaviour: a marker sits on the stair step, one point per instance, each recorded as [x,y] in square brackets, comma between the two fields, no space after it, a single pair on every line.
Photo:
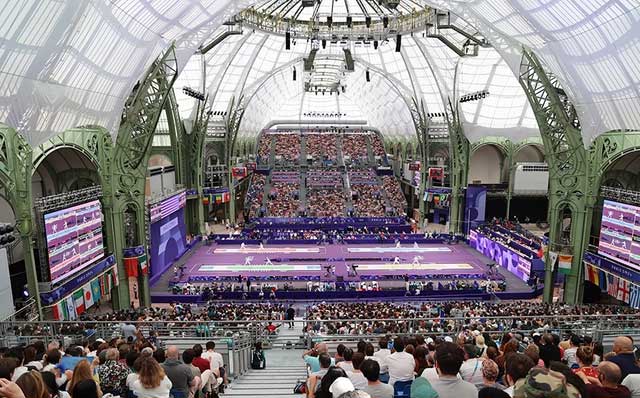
[263,392]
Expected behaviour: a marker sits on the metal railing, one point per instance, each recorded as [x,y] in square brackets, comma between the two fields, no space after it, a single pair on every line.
[168,331]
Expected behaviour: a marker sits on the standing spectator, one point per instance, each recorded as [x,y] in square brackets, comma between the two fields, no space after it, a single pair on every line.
[113,374]
[490,375]
[570,353]
[371,371]
[381,356]
[449,358]
[400,364]
[584,357]
[179,373]
[549,351]
[150,381]
[471,369]
[625,357]
[608,386]
[291,314]
[517,367]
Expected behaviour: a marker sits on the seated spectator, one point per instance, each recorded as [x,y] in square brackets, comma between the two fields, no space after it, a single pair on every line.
[400,364]
[371,371]
[113,374]
[52,386]
[609,377]
[312,357]
[420,357]
[347,364]
[517,367]
[313,381]
[150,381]
[357,378]
[533,352]
[201,363]
[421,388]
[7,366]
[342,387]
[449,358]
[87,388]
[632,382]
[32,385]
[625,357]
[81,373]
[180,374]
[333,373]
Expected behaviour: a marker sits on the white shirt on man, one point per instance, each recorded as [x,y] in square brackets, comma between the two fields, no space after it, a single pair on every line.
[380,356]
[401,366]
[214,358]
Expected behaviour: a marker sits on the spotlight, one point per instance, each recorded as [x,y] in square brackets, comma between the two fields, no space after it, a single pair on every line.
[375,44]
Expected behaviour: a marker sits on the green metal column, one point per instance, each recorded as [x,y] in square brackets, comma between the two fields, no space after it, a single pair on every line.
[235,113]
[568,169]
[131,155]
[459,153]
[194,164]
[509,161]
[16,159]
[421,124]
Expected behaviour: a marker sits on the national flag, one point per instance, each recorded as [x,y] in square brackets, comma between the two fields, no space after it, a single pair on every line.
[115,278]
[60,311]
[564,263]
[71,307]
[612,285]
[142,260]
[602,276]
[95,289]
[88,296]
[239,172]
[226,197]
[78,301]
[436,173]
[218,198]
[592,274]
[131,265]
[623,290]
[634,299]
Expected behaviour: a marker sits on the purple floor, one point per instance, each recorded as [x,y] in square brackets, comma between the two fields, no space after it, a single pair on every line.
[460,260]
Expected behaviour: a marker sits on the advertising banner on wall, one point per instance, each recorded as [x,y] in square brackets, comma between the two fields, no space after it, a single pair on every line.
[475,205]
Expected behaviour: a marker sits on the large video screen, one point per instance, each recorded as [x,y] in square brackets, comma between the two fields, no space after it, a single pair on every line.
[168,232]
[74,239]
[620,233]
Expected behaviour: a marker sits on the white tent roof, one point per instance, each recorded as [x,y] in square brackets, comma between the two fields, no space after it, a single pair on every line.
[66,63]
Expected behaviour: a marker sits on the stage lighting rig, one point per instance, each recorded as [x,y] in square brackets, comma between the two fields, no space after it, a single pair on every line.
[8,234]
[478,95]
[193,93]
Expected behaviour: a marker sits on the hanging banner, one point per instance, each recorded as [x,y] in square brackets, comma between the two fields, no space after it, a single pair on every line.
[238,172]
[133,292]
[415,166]
[475,205]
[131,266]
[436,173]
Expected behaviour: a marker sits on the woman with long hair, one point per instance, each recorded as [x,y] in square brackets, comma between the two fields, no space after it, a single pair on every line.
[81,372]
[420,357]
[32,385]
[86,388]
[150,381]
[332,374]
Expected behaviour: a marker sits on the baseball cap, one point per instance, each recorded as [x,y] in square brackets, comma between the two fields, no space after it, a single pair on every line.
[340,386]
[448,339]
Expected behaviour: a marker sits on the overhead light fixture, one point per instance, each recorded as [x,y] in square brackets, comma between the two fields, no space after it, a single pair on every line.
[193,93]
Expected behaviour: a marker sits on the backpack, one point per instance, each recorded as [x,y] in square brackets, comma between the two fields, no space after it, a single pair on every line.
[300,388]
[256,360]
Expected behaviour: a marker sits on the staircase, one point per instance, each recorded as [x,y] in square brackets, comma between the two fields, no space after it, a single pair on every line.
[284,369]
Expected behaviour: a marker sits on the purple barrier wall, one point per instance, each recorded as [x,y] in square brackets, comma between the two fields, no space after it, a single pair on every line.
[510,260]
